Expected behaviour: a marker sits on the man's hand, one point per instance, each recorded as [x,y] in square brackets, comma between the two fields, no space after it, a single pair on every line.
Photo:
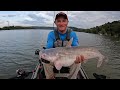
[79,59]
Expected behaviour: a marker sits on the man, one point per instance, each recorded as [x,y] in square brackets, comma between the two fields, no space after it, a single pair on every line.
[59,38]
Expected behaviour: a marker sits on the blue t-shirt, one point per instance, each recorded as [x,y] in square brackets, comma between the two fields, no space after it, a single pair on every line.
[51,39]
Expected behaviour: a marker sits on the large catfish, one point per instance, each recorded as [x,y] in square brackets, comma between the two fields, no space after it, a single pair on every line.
[66,56]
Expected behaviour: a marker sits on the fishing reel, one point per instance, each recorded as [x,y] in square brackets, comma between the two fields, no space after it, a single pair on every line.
[37,51]
[21,72]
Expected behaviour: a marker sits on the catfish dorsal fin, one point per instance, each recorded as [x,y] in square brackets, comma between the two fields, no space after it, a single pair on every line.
[69,42]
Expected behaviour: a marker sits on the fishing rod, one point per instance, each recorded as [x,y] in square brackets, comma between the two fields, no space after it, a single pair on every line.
[53,20]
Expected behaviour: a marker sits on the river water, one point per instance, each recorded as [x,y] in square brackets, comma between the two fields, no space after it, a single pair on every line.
[17,50]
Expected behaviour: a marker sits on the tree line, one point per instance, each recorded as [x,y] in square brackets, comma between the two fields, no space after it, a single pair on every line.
[109,29]
[15,27]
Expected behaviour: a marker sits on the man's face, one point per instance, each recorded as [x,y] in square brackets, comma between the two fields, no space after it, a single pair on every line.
[61,24]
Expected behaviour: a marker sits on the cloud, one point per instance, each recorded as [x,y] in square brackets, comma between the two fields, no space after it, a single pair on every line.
[2,22]
[11,15]
[80,19]
[8,15]
[39,18]
[88,19]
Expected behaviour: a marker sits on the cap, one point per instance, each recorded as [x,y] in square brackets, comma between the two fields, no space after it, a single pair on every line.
[61,14]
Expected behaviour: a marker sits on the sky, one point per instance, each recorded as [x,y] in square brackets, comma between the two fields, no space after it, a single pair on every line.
[80,19]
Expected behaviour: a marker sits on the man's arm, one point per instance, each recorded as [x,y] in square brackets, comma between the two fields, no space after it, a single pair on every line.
[75,39]
[50,40]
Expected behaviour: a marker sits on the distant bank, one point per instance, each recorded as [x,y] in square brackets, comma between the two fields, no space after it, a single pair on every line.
[24,27]
[108,29]
[34,27]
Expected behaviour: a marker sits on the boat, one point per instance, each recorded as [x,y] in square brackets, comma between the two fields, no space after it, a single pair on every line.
[38,72]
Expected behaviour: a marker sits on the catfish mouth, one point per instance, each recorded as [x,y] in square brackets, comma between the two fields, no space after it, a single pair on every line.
[49,54]
[48,57]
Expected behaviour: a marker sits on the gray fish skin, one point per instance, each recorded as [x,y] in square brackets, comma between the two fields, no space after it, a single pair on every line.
[66,56]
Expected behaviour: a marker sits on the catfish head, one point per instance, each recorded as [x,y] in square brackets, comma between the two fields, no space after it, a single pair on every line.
[49,55]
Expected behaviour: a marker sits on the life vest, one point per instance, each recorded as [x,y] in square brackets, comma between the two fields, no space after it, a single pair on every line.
[59,42]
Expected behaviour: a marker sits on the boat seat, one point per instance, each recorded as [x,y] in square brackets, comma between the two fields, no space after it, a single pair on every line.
[62,70]
[62,73]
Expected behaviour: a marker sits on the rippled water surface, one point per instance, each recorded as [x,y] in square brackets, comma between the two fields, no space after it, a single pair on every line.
[17,50]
